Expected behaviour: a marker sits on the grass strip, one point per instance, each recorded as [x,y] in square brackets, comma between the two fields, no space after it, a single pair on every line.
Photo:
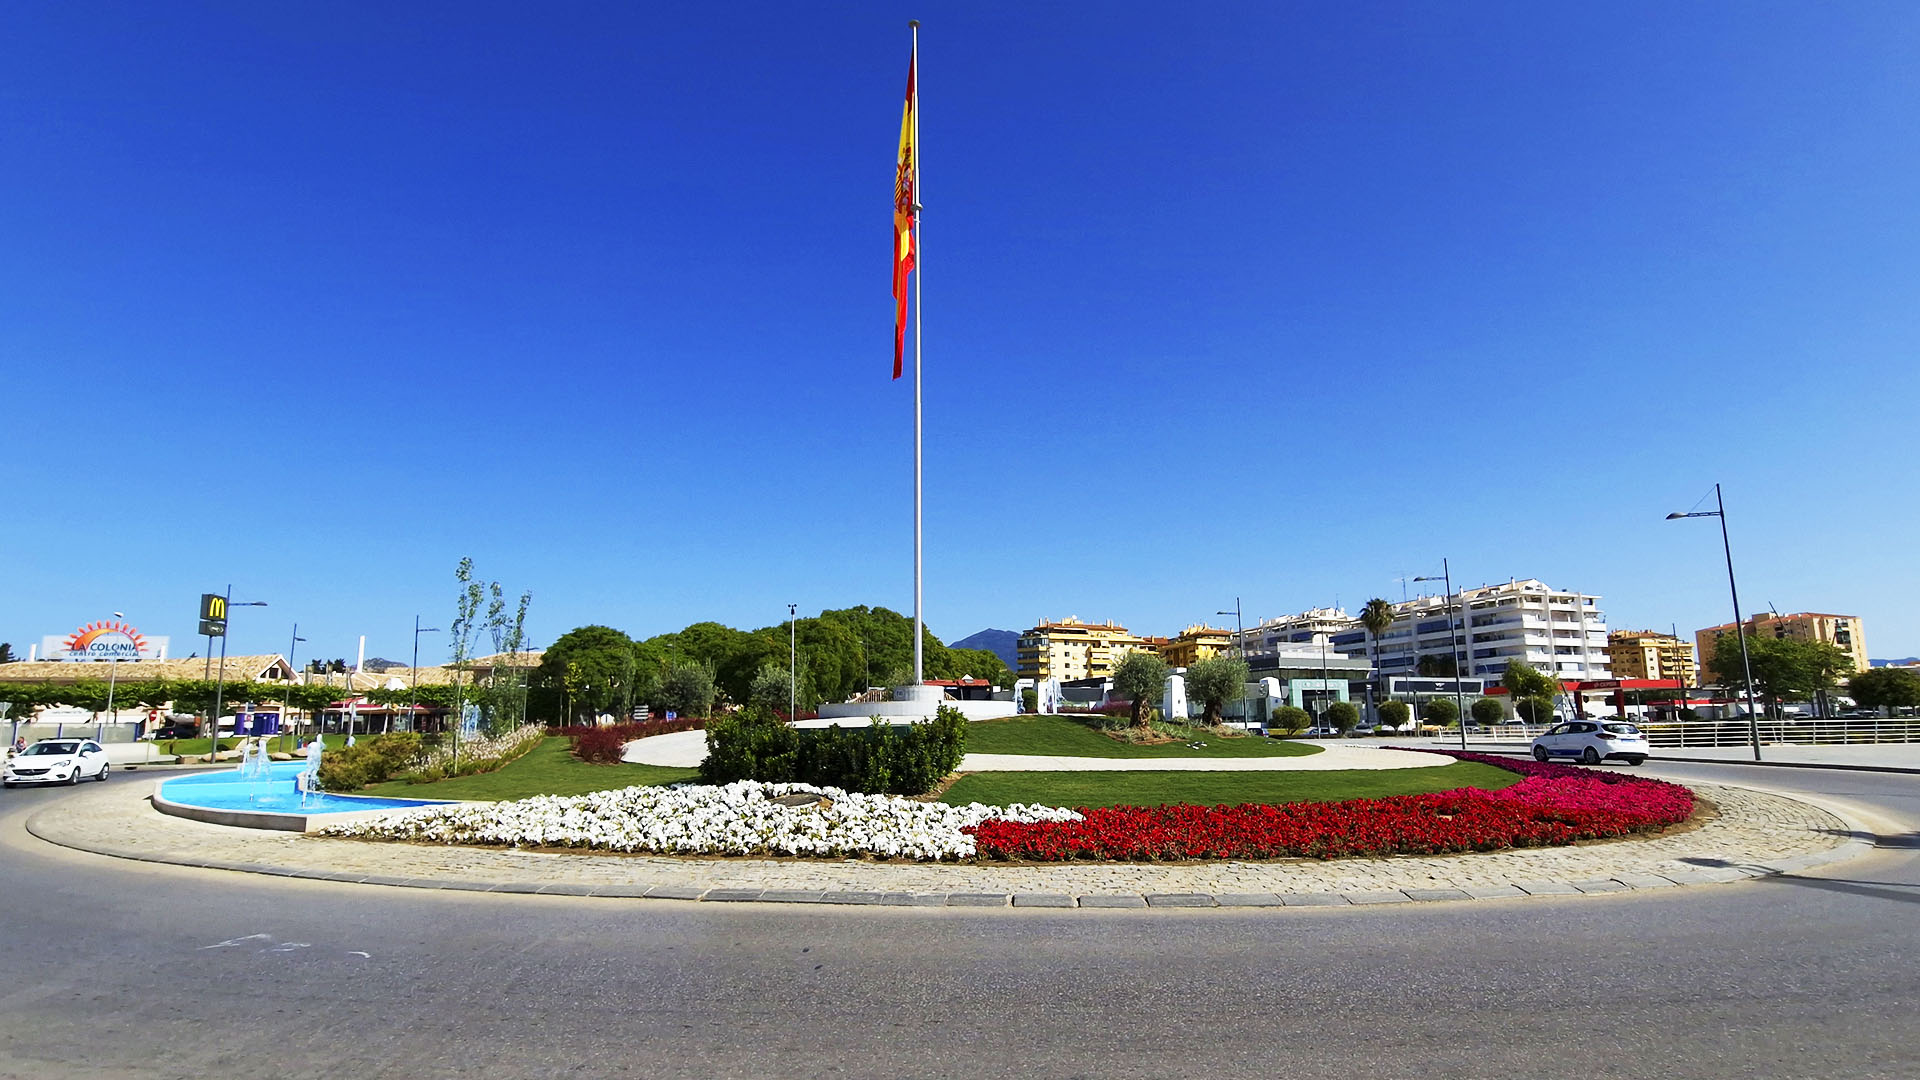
[1094,789]
[1069,736]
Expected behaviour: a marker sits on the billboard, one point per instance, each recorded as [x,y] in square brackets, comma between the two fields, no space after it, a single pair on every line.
[106,640]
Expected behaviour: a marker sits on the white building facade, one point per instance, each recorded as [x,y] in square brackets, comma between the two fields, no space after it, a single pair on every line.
[1561,633]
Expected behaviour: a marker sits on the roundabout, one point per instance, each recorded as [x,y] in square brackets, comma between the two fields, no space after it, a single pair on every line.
[1749,833]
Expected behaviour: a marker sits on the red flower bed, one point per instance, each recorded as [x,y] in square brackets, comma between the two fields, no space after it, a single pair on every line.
[1555,804]
[603,744]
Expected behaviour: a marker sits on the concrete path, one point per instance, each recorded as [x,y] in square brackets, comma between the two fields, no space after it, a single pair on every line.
[686,749]
[1903,757]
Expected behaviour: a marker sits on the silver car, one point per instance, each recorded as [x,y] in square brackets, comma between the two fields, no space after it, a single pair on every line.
[1593,741]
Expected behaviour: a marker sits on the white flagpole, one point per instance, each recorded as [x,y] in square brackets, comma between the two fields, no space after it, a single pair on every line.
[918,270]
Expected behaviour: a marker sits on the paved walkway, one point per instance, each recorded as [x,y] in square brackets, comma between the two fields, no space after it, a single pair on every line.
[1754,833]
[686,749]
[1895,757]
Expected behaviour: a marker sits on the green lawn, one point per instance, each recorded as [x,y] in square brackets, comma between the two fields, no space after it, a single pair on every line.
[285,744]
[1094,789]
[547,769]
[1068,736]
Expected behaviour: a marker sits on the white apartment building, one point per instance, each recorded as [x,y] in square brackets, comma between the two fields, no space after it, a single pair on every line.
[1561,633]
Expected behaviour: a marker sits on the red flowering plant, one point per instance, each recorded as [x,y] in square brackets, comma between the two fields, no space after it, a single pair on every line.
[1555,804]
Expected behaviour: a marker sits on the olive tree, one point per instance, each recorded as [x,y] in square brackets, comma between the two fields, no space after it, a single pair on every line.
[1140,677]
[1487,711]
[1215,681]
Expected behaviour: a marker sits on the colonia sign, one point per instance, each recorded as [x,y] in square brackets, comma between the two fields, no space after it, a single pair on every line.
[105,640]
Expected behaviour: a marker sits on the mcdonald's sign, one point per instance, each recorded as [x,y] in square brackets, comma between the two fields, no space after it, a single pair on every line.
[213,615]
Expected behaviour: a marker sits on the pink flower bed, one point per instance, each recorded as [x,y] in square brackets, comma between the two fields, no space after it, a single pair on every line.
[1555,804]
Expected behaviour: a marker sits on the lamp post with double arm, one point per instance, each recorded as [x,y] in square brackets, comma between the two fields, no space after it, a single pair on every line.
[1746,664]
[1453,649]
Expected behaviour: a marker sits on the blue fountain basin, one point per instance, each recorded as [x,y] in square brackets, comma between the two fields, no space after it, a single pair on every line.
[272,802]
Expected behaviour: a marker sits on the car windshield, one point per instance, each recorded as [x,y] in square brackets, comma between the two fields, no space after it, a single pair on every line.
[1622,729]
[45,748]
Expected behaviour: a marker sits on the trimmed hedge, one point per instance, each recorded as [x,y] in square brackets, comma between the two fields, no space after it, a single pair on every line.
[880,759]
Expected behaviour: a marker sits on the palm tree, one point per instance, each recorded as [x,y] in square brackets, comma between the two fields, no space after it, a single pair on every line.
[1377,616]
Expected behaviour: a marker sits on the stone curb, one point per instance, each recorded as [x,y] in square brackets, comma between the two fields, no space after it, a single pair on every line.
[1860,840]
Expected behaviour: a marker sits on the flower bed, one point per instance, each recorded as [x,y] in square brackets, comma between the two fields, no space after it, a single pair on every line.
[1556,804]
[738,819]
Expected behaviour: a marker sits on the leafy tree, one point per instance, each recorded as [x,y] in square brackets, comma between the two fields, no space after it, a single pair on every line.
[1440,712]
[601,657]
[1783,668]
[1394,714]
[1141,678]
[1291,719]
[6,653]
[1343,715]
[1487,711]
[981,664]
[1522,681]
[1215,681]
[1885,688]
[1535,710]
[688,689]
[1377,617]
[771,688]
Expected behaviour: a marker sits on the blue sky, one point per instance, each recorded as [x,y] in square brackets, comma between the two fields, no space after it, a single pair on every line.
[1276,303]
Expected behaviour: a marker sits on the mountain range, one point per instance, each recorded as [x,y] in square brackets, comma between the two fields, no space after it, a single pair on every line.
[998,642]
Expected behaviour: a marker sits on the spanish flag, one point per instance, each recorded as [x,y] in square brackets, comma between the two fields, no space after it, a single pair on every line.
[905,207]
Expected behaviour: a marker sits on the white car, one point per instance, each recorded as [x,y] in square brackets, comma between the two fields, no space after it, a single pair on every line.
[1593,741]
[57,761]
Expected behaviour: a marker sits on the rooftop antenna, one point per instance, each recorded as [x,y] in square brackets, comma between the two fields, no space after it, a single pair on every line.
[1405,576]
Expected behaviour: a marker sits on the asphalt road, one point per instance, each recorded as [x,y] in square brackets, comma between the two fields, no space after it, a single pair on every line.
[117,970]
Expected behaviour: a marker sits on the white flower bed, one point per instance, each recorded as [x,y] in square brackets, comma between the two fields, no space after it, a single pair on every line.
[693,819]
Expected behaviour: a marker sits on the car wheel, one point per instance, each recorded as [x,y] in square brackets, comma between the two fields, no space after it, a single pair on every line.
[74,780]
[1539,753]
[1590,756]
[105,768]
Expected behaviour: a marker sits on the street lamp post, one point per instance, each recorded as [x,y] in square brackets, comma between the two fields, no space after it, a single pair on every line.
[1239,645]
[1453,648]
[413,677]
[220,684]
[113,669]
[1746,664]
[295,668]
[793,665]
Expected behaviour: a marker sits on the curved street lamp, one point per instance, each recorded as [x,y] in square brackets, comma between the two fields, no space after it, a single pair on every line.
[1746,664]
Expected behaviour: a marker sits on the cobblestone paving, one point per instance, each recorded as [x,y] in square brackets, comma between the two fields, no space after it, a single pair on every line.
[1754,833]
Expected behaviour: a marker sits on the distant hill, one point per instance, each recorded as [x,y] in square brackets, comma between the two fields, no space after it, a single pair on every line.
[380,665]
[1902,662]
[998,642]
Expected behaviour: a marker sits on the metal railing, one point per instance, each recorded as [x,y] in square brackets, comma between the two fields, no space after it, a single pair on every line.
[1792,730]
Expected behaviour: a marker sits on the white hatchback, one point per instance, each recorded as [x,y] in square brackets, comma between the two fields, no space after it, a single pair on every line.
[57,761]
[1593,741]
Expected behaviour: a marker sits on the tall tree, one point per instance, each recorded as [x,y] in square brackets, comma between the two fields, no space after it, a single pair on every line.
[1783,668]
[602,656]
[1214,682]
[1885,688]
[1377,617]
[1140,677]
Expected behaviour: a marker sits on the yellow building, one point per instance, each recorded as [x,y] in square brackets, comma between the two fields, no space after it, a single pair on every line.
[1841,631]
[1071,649]
[1195,644]
[1648,654]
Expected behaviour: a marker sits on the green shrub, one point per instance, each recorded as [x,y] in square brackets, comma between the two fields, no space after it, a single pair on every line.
[1291,719]
[1395,714]
[879,759]
[1488,710]
[1343,715]
[1440,712]
[372,760]
[1029,700]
